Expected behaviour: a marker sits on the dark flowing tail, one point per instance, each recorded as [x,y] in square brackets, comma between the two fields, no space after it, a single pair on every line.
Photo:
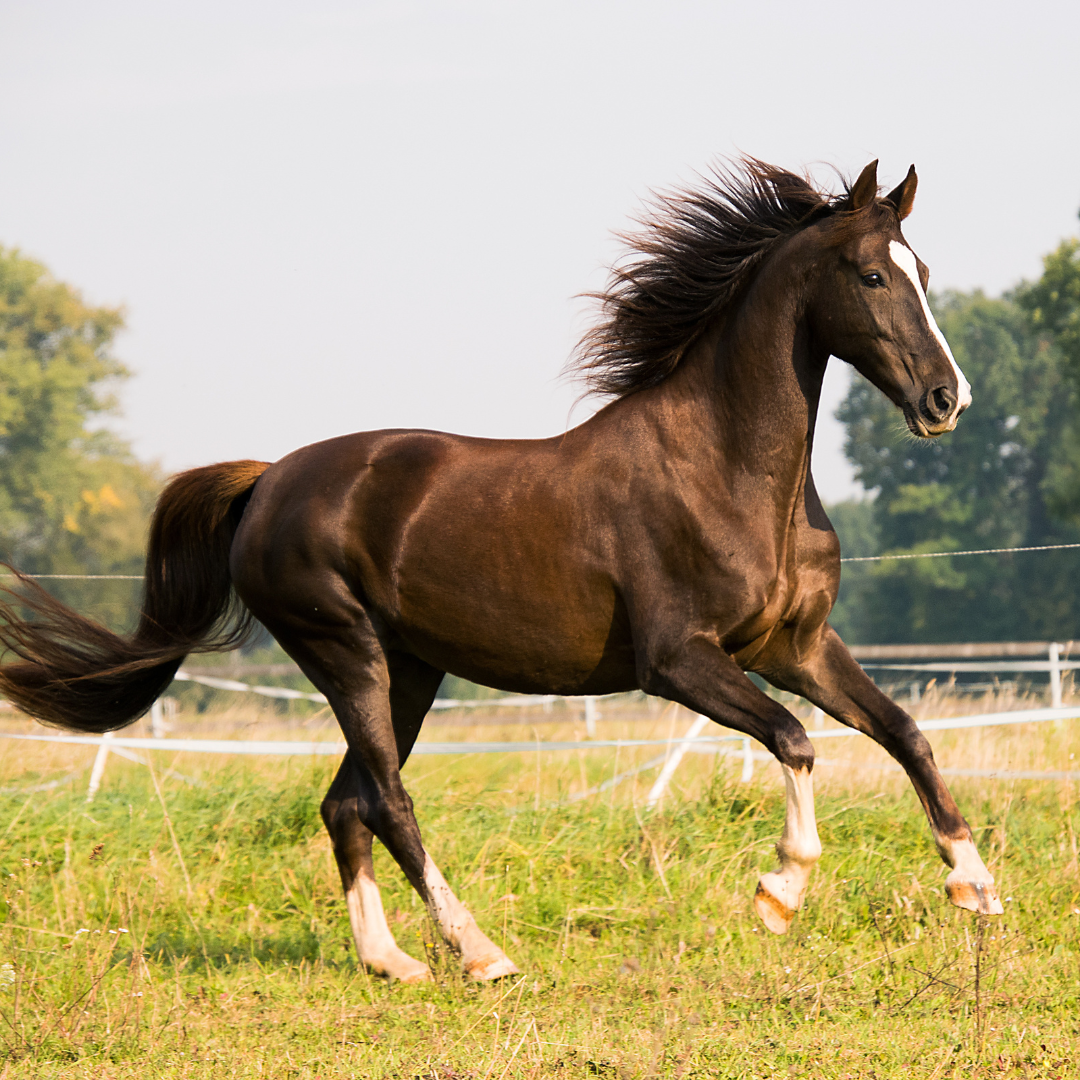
[74,673]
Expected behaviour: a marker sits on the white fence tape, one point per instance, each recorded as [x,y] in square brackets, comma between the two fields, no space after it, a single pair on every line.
[263,691]
[891,766]
[518,701]
[980,665]
[697,743]
[676,748]
[277,749]
[954,723]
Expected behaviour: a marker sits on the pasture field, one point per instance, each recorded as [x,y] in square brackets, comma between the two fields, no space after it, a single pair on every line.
[190,923]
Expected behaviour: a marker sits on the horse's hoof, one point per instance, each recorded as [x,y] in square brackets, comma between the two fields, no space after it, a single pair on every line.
[422,975]
[402,968]
[490,967]
[978,896]
[773,912]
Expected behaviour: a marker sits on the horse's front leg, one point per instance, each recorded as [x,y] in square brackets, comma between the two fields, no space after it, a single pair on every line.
[830,677]
[701,676]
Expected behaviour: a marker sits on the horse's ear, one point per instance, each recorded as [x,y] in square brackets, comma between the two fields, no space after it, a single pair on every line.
[903,195]
[864,190]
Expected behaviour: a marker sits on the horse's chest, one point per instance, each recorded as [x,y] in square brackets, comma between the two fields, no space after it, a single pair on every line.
[753,580]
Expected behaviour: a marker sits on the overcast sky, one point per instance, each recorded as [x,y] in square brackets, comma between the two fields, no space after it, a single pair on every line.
[325,217]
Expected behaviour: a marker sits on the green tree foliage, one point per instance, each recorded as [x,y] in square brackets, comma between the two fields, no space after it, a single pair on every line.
[1008,476]
[1053,302]
[73,499]
[1053,306]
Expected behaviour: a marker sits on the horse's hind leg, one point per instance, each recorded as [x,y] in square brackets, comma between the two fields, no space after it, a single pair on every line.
[352,839]
[411,694]
[380,698]
[481,957]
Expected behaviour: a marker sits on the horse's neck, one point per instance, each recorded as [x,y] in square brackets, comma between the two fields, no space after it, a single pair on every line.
[747,397]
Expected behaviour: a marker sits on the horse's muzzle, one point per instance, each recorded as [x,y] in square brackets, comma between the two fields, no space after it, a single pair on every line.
[935,413]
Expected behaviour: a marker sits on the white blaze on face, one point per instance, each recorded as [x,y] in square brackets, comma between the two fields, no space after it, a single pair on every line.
[904,258]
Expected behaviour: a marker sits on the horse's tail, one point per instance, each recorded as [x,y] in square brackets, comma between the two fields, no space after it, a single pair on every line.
[74,673]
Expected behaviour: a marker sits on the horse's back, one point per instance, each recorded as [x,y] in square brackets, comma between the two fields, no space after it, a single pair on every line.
[469,550]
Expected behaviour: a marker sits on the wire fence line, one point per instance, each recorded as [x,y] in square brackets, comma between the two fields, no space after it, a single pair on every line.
[946,554]
[845,559]
[78,577]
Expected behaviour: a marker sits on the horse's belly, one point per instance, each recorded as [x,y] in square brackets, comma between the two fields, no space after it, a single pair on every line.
[561,640]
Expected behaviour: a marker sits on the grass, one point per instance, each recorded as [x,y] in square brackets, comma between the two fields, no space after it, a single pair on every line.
[176,929]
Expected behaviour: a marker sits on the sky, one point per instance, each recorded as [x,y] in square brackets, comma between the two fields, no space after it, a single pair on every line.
[330,217]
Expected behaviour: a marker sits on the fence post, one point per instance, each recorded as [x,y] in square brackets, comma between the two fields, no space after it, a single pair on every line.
[656,793]
[98,771]
[818,718]
[590,717]
[1055,675]
[747,762]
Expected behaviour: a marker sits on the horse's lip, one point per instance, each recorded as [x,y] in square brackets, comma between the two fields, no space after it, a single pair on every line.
[915,424]
[918,426]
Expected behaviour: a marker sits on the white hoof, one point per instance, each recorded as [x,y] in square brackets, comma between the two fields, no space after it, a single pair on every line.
[978,896]
[777,900]
[400,967]
[495,965]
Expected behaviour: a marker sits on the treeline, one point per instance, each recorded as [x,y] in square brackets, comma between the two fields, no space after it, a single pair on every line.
[73,497]
[1008,476]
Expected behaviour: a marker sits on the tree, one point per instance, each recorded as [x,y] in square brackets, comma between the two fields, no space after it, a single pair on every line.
[1053,302]
[73,498]
[1053,306]
[999,480]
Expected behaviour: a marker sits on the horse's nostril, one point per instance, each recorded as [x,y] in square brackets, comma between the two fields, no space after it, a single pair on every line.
[940,403]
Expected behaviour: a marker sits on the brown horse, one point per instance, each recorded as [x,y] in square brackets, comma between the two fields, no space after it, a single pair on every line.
[671,543]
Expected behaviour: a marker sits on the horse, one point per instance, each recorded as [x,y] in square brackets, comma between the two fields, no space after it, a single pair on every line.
[671,543]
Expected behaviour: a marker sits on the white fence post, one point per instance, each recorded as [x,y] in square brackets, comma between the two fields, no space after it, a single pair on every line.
[747,762]
[656,793]
[591,715]
[162,714]
[1055,675]
[818,718]
[98,771]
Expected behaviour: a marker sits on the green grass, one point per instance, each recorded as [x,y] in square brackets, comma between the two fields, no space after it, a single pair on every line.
[635,932]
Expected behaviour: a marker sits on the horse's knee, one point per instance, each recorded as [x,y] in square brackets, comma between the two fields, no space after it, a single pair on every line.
[328,811]
[793,746]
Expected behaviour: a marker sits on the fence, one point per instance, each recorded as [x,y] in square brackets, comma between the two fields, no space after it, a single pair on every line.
[675,748]
[1054,664]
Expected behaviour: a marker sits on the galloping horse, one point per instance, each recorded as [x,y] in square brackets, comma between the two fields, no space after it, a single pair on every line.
[671,543]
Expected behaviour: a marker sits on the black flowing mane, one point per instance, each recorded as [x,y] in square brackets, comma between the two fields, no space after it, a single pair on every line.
[696,250]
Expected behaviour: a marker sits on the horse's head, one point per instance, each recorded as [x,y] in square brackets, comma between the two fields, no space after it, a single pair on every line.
[870,309]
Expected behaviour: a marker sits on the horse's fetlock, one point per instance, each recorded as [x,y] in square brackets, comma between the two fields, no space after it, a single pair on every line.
[794,749]
[804,853]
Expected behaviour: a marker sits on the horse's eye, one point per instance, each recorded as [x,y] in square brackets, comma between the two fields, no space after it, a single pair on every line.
[873,281]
